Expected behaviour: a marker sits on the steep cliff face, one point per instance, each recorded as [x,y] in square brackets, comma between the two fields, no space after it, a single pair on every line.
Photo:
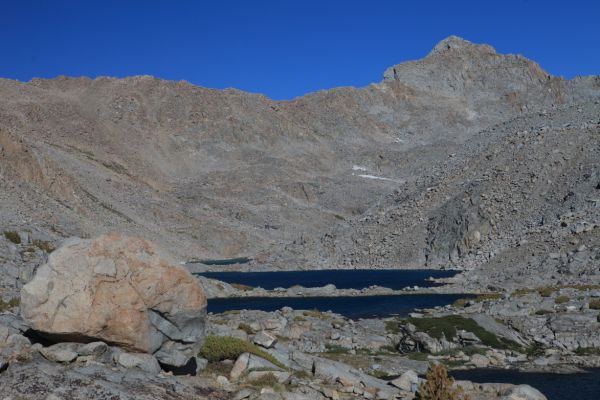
[318,180]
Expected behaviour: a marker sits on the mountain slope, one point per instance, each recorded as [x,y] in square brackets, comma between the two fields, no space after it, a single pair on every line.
[300,183]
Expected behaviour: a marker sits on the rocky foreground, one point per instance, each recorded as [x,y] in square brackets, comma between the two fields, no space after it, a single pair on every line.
[113,318]
[109,314]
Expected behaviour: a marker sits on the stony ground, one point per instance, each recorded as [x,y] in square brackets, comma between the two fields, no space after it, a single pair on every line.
[286,354]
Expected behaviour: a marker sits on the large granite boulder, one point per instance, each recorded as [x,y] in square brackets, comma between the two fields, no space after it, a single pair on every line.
[120,290]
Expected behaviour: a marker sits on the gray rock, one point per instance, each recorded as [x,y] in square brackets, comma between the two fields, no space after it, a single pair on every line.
[281,376]
[176,354]
[480,361]
[93,349]
[61,352]
[145,362]
[467,338]
[201,364]
[523,392]
[408,381]
[18,342]
[248,362]
[264,339]
[243,394]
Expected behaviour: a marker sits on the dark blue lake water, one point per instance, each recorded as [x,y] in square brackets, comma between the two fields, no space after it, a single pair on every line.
[342,279]
[351,307]
[581,386]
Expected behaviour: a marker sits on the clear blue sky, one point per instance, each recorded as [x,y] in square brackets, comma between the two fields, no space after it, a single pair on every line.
[282,48]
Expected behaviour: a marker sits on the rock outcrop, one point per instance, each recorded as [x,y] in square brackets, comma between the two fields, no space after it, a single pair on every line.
[120,290]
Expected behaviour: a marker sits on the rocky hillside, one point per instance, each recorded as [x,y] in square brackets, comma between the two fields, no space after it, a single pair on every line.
[466,156]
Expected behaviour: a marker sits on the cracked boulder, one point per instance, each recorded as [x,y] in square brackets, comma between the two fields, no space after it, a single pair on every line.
[120,290]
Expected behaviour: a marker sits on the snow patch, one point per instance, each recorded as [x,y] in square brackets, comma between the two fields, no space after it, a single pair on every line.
[358,168]
[381,178]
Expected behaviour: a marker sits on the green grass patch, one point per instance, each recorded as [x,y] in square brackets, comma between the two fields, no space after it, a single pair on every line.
[266,380]
[448,325]
[418,356]
[218,348]
[543,312]
[336,349]
[44,246]
[316,314]
[595,304]
[392,327]
[562,299]
[8,305]
[535,350]
[242,287]
[462,302]
[380,374]
[12,236]
[587,351]
[546,291]
[302,374]
[218,368]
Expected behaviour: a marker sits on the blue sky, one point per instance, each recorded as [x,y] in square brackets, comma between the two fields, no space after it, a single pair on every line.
[282,48]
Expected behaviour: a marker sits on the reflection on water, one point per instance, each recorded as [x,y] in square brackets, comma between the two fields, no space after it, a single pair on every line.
[342,279]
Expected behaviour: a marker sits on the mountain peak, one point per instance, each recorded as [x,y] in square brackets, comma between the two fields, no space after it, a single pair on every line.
[455,43]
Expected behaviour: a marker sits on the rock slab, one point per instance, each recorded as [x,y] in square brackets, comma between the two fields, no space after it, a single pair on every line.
[117,289]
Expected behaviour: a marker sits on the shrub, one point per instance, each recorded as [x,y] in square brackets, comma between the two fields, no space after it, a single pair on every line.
[543,312]
[13,237]
[439,386]
[480,298]
[459,303]
[535,350]
[44,246]
[595,304]
[7,305]
[218,348]
[246,328]
[562,299]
